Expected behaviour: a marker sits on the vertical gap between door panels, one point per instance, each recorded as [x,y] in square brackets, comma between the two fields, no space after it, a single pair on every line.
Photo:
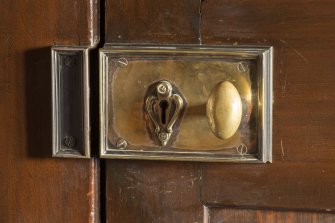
[102,162]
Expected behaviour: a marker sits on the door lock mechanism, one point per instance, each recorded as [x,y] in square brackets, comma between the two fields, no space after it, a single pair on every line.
[195,103]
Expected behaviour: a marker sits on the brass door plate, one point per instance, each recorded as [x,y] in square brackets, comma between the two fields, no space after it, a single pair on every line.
[217,98]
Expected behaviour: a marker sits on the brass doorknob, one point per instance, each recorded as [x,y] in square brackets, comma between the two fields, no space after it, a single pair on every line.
[224,110]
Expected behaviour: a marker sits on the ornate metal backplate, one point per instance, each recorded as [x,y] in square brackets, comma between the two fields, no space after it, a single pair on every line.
[208,103]
[163,108]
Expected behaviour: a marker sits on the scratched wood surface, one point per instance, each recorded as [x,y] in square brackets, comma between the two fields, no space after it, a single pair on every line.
[152,191]
[33,186]
[302,175]
[221,215]
[152,21]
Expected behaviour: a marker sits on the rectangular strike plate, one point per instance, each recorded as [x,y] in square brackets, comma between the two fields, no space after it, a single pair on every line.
[70,102]
[194,103]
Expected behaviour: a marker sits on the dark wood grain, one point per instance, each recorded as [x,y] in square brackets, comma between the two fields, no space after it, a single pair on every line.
[152,21]
[302,174]
[289,186]
[260,216]
[152,191]
[35,187]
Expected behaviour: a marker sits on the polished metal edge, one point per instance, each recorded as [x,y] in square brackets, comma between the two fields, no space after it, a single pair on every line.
[238,52]
[57,149]
[267,85]
[264,53]
[103,72]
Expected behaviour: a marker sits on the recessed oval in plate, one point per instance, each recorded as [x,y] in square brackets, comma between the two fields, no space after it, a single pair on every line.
[224,110]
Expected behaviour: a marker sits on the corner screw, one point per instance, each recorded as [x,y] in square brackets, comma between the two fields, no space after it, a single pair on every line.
[121,143]
[69,141]
[242,67]
[242,149]
[123,62]
[69,61]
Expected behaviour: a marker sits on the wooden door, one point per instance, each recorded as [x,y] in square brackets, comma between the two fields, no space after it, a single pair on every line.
[299,185]
[34,187]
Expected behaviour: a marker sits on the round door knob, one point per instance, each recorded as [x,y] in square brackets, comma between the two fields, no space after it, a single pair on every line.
[224,110]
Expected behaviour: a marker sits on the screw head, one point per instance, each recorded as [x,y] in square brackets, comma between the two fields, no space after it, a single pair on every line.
[69,141]
[122,62]
[163,136]
[242,149]
[69,61]
[242,67]
[164,88]
[121,143]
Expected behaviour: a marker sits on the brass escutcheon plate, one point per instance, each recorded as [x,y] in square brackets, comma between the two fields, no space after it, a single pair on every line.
[239,77]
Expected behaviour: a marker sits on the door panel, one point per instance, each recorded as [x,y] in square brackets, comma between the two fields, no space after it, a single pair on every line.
[293,185]
[301,176]
[35,187]
[152,191]
[151,21]
[261,216]
[302,173]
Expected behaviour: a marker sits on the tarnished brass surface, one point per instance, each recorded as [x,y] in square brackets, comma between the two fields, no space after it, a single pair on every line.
[195,79]
[131,116]
[224,110]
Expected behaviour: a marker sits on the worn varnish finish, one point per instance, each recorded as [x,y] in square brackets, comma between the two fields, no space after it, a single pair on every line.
[302,174]
[33,186]
[152,191]
[261,216]
[152,21]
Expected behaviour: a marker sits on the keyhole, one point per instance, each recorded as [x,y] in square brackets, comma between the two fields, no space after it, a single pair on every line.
[163,105]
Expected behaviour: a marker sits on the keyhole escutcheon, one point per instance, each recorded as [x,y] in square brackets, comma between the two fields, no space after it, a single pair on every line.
[163,105]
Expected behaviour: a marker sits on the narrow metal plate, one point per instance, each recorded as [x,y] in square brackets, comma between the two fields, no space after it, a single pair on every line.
[129,73]
[70,102]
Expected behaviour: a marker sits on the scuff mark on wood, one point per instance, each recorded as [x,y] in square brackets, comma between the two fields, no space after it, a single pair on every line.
[301,56]
[282,149]
[295,50]
[200,22]
[284,85]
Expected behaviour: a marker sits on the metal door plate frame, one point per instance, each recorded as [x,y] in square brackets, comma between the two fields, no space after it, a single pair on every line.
[264,57]
[71,63]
